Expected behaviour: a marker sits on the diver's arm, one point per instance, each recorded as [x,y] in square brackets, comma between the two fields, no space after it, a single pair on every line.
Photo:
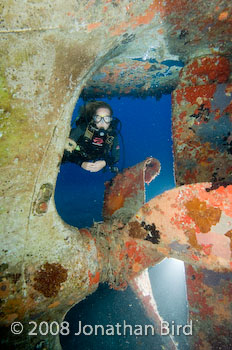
[70,155]
[70,145]
[94,167]
[71,142]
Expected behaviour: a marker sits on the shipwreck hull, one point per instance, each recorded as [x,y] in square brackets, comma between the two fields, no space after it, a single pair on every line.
[50,51]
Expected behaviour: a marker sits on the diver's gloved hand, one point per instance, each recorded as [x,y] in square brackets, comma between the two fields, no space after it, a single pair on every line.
[93,167]
[114,169]
[70,145]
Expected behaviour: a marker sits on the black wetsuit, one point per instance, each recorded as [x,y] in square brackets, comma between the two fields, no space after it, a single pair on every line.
[93,144]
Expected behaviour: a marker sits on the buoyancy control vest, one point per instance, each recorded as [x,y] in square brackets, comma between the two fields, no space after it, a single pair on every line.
[95,143]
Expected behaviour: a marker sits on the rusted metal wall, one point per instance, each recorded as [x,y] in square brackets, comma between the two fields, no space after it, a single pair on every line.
[202,122]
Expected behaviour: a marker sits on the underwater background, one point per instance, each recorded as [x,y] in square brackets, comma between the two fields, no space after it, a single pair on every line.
[146,131]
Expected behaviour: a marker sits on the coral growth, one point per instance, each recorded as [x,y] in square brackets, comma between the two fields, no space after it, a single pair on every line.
[136,231]
[203,217]
[153,234]
[49,278]
[143,231]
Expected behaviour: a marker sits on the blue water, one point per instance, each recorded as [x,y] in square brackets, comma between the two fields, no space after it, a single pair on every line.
[146,131]
[107,307]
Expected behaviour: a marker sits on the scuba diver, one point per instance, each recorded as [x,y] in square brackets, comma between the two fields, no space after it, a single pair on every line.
[94,143]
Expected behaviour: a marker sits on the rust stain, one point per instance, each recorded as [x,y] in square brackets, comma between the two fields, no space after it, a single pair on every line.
[203,217]
[136,21]
[116,202]
[55,304]
[93,26]
[223,16]
[4,289]
[119,29]
[146,210]
[49,278]
[147,66]
[160,31]
[136,267]
[11,317]
[13,307]
[207,248]
[144,19]
[128,184]
[229,234]
[94,279]
[193,239]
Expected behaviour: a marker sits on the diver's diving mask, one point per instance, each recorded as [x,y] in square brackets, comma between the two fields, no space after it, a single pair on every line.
[98,118]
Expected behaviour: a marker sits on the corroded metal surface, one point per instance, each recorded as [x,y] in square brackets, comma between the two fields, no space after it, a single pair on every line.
[49,50]
[191,216]
[210,297]
[202,122]
[109,255]
[194,223]
[127,190]
[175,32]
